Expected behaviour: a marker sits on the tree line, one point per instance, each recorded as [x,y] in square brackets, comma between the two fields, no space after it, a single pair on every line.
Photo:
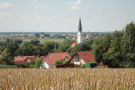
[117,50]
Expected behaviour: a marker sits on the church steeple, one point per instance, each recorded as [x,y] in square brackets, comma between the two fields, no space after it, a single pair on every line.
[80,25]
[80,33]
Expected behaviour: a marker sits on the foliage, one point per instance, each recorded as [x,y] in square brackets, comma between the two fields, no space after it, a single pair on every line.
[58,62]
[38,62]
[66,61]
[8,66]
[80,47]
[84,66]
[49,47]
[35,41]
[9,53]
[117,49]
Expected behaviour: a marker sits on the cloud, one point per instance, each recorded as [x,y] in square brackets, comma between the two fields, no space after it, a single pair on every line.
[100,10]
[5,5]
[33,1]
[74,5]
[37,6]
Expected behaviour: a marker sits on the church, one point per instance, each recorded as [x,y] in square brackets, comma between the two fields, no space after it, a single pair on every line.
[79,35]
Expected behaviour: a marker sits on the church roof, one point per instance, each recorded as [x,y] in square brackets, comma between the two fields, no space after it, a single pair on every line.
[80,26]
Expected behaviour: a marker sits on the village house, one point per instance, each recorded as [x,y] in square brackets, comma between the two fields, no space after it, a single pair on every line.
[49,60]
[24,59]
[81,58]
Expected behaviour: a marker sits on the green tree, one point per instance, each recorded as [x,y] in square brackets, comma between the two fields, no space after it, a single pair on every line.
[18,41]
[113,57]
[58,61]
[35,41]
[66,61]
[38,63]
[128,44]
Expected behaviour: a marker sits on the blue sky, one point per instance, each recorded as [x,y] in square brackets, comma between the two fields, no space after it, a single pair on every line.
[63,15]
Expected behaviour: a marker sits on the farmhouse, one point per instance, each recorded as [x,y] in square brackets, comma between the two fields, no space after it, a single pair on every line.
[49,60]
[81,58]
[24,59]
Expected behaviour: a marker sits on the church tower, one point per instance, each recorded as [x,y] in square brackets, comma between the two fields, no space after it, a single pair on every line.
[80,33]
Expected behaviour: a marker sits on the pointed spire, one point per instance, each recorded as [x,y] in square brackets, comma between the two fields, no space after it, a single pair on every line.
[80,26]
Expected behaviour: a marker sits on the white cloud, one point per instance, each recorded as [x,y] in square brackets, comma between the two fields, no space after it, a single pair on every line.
[74,5]
[37,6]
[5,5]
[100,10]
[33,1]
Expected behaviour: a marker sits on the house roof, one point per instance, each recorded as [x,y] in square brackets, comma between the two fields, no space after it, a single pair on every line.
[22,59]
[74,44]
[87,56]
[52,57]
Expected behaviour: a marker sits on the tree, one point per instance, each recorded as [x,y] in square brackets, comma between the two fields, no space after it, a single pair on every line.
[50,47]
[65,45]
[35,41]
[100,46]
[80,47]
[38,62]
[58,61]
[128,44]
[9,53]
[18,41]
[37,35]
[113,57]
[66,61]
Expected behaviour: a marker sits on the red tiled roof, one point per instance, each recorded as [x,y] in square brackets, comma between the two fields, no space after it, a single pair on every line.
[74,44]
[22,59]
[52,57]
[87,56]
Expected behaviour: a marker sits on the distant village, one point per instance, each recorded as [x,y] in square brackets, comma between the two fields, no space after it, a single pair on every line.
[63,59]
[45,35]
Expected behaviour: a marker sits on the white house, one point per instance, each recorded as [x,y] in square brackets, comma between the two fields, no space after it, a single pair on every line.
[81,58]
[49,60]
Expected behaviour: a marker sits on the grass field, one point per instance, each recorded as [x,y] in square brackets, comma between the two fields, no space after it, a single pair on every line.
[42,40]
[67,79]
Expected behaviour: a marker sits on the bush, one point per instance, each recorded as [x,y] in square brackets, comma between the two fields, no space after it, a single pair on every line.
[84,66]
[58,62]
[21,66]
[38,63]
[66,61]
[8,66]
[32,66]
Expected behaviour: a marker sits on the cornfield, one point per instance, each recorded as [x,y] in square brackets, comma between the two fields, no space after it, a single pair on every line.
[67,79]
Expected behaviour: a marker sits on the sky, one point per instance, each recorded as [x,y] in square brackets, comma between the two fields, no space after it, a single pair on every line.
[63,15]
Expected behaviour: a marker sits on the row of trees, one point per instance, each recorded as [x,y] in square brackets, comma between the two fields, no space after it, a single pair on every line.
[117,49]
[11,48]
